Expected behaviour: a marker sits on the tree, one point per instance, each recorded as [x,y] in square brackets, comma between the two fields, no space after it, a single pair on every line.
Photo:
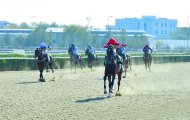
[77,35]
[6,40]
[24,25]
[181,33]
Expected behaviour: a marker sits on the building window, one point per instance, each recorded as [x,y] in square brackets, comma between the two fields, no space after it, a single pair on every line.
[156,24]
[162,32]
[170,24]
[156,31]
[165,32]
[174,25]
[162,25]
[165,24]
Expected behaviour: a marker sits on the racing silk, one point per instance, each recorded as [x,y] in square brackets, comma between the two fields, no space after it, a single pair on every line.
[122,50]
[91,50]
[75,50]
[43,46]
[147,50]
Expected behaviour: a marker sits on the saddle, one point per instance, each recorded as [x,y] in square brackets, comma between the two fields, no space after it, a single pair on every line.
[146,56]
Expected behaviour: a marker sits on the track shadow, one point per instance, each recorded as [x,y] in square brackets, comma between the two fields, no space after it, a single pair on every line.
[91,99]
[28,82]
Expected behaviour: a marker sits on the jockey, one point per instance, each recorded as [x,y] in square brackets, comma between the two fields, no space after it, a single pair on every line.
[91,49]
[113,44]
[147,50]
[122,50]
[74,49]
[44,47]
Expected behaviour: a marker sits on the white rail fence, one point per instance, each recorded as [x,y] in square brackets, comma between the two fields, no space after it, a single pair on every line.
[63,50]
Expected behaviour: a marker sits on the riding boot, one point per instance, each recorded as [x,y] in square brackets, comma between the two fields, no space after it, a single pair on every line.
[48,58]
[105,60]
[119,61]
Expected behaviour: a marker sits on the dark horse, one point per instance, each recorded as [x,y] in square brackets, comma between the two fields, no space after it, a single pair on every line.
[126,60]
[92,59]
[111,69]
[41,62]
[147,60]
[75,60]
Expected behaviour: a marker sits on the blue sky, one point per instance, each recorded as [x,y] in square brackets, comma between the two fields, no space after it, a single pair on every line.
[76,11]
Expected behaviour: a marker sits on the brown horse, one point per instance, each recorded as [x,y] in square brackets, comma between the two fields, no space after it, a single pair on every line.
[111,69]
[92,59]
[147,60]
[126,61]
[41,62]
[75,60]
[127,64]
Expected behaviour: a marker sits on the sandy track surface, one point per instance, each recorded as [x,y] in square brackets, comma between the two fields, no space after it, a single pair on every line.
[162,94]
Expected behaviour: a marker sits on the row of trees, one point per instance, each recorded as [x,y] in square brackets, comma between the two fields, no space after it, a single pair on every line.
[76,34]
[182,33]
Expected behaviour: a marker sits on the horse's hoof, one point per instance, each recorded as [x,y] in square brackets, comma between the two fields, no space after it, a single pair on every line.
[105,92]
[124,76]
[109,95]
[42,80]
[118,93]
[110,91]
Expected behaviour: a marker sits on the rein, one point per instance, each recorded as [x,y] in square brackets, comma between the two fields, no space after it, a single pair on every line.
[41,60]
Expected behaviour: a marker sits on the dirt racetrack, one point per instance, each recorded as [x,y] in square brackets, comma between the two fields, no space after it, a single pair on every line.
[162,94]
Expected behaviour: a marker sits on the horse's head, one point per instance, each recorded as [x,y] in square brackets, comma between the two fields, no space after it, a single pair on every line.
[87,51]
[39,53]
[70,52]
[110,53]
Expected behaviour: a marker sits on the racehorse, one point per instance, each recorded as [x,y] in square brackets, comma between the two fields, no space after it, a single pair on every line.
[75,60]
[41,62]
[50,64]
[126,64]
[126,61]
[111,69]
[92,58]
[147,60]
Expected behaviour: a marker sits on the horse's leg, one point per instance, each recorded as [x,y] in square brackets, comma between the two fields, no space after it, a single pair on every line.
[71,65]
[75,66]
[130,63]
[47,68]
[119,79]
[51,64]
[145,62]
[149,63]
[110,84]
[125,69]
[80,62]
[118,83]
[105,91]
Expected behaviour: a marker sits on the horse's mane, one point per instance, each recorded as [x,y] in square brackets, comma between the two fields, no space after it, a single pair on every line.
[110,52]
[70,51]
[36,52]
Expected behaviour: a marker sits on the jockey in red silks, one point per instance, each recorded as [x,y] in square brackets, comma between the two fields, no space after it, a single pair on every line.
[115,44]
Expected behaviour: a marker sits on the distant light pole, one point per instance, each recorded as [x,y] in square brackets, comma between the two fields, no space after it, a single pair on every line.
[188,31]
[109,22]
[31,20]
[88,21]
